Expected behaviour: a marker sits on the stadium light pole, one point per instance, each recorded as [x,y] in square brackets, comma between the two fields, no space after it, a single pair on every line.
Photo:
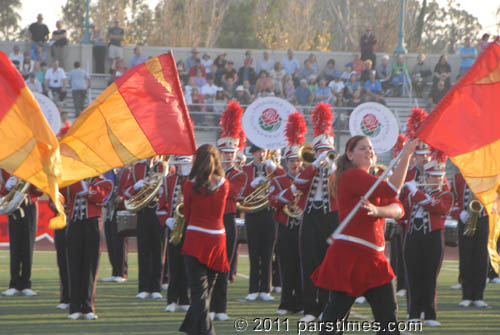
[86,36]
[400,48]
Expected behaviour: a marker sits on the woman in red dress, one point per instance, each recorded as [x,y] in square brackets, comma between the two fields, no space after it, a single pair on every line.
[204,247]
[355,263]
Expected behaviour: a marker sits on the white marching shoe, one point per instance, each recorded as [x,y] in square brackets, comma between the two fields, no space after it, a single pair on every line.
[222,317]
[171,307]
[108,279]
[266,296]
[277,289]
[29,292]
[119,279]
[164,287]
[252,296]
[90,316]
[432,323]
[457,287]
[465,303]
[156,295]
[75,316]
[401,293]
[183,308]
[308,318]
[281,312]
[62,306]
[479,304]
[495,280]
[211,315]
[360,300]
[11,292]
[142,295]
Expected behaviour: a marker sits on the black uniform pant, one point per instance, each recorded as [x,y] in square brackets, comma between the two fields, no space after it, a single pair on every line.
[83,258]
[397,261]
[314,231]
[289,259]
[22,230]
[117,248]
[177,280]
[219,298]
[382,301]
[62,264]
[150,243]
[423,257]
[474,260]
[260,239]
[201,282]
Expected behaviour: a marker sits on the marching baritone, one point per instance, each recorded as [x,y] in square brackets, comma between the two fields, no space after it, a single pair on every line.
[424,245]
[85,202]
[228,145]
[473,231]
[170,197]
[22,230]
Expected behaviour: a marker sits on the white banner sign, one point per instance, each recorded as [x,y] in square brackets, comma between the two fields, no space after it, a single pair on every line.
[50,111]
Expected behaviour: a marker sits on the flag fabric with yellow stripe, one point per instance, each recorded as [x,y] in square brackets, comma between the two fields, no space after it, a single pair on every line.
[140,115]
[29,149]
[465,125]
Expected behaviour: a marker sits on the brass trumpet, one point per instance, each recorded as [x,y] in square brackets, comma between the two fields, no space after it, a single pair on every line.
[306,154]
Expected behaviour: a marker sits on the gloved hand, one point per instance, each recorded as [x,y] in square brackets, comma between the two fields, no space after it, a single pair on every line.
[332,169]
[412,187]
[138,185]
[11,182]
[170,223]
[85,188]
[464,216]
[257,181]
[270,165]
[321,158]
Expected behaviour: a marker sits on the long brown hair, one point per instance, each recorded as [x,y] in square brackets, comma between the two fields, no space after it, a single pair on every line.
[343,163]
[207,163]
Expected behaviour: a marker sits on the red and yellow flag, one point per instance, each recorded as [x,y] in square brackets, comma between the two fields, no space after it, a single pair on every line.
[29,149]
[466,126]
[140,115]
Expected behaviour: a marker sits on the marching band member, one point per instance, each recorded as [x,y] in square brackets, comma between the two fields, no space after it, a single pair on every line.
[228,146]
[116,243]
[355,264]
[424,244]
[170,197]
[22,230]
[320,210]
[204,247]
[150,234]
[83,237]
[473,245]
[288,227]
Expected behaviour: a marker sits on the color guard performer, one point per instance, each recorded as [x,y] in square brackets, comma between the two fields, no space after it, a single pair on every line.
[228,145]
[424,244]
[22,232]
[288,227]
[85,202]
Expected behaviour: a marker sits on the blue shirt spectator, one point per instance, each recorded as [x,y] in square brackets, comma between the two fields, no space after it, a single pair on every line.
[138,57]
[290,64]
[322,93]
[303,94]
[373,86]
[468,55]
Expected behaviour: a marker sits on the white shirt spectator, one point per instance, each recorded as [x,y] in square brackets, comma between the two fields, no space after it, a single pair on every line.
[336,87]
[266,65]
[79,79]
[187,94]
[35,85]
[207,63]
[55,78]
[17,59]
[290,65]
[208,89]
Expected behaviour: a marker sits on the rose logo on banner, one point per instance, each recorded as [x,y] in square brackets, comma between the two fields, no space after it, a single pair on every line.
[270,120]
[370,125]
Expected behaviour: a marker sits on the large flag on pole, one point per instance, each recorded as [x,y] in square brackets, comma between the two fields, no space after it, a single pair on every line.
[29,149]
[140,115]
[466,126]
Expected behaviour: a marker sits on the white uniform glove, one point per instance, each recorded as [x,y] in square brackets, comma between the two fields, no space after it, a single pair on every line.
[321,158]
[11,182]
[257,181]
[464,216]
[138,185]
[170,223]
[412,187]
[270,165]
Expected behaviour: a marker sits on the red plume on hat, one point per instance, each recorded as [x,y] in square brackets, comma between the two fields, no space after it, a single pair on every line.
[399,145]
[438,156]
[322,117]
[417,117]
[243,140]
[230,120]
[295,129]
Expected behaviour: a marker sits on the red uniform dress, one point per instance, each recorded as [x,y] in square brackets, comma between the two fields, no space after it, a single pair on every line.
[355,262]
[205,235]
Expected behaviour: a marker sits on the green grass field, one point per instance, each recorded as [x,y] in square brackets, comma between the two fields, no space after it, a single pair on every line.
[121,313]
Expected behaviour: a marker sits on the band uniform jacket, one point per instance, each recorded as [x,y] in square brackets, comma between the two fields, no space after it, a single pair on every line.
[169,196]
[251,172]
[435,205]
[86,197]
[237,182]
[32,195]
[279,187]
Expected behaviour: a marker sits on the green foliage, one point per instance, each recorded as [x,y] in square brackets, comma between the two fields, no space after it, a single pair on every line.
[9,18]
[74,19]
[239,27]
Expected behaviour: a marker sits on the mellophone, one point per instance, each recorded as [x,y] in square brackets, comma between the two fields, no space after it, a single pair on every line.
[450,231]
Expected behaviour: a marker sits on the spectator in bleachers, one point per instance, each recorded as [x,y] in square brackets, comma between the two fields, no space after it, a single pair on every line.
[346,75]
[16,57]
[58,44]
[79,81]
[115,38]
[365,74]
[468,55]
[355,99]
[442,70]
[199,78]
[39,34]
[27,65]
[384,73]
[420,75]
[438,91]
[367,44]
[303,94]
[290,63]
[247,72]
[399,75]
[209,90]
[98,49]
[358,65]
[217,75]
[483,43]
[265,82]
[65,125]
[120,67]
[183,74]
[249,90]
[220,61]
[138,58]
[197,105]
[313,61]
[241,96]
[55,82]
[220,99]
[329,71]
[352,86]
[191,60]
[265,63]
[207,62]
[229,78]
[33,84]
[373,89]
[197,66]
[39,73]
[288,88]
[306,71]
[278,74]
[337,87]
[322,93]
[188,89]
[312,83]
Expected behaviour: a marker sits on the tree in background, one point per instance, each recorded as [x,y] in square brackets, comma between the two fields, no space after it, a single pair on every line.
[9,18]
[240,27]
[74,19]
